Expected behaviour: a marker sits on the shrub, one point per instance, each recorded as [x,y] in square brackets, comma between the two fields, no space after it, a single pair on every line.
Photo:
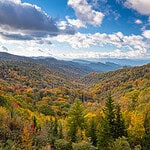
[121,144]
[61,144]
[83,146]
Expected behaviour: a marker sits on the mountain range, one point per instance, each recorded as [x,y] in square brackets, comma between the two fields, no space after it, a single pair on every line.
[74,67]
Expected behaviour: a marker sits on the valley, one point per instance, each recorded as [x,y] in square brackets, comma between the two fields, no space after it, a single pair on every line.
[46,102]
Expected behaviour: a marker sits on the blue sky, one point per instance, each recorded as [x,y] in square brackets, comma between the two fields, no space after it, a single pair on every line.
[76,28]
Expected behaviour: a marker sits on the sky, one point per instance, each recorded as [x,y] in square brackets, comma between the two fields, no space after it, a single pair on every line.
[76,28]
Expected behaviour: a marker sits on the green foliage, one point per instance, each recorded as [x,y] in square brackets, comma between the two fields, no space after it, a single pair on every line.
[147,121]
[112,125]
[92,131]
[61,144]
[83,146]
[146,141]
[8,145]
[104,136]
[109,112]
[46,110]
[52,131]
[3,101]
[75,120]
[60,130]
[121,144]
[120,129]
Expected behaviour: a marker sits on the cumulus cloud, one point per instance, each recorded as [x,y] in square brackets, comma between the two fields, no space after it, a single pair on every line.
[85,40]
[66,28]
[76,22]
[25,16]
[113,54]
[141,6]
[133,45]
[14,36]
[24,21]
[15,1]
[85,13]
[146,34]
[138,21]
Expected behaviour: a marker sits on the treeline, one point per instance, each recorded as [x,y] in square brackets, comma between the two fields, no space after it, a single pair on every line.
[81,129]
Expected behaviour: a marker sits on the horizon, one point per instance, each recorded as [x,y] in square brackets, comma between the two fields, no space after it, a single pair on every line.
[66,30]
[82,59]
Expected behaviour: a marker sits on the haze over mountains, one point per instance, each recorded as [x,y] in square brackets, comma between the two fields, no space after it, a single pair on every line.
[79,66]
[122,62]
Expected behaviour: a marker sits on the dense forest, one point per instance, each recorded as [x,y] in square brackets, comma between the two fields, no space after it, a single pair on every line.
[41,108]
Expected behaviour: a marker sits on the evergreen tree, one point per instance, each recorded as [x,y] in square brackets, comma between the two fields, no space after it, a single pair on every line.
[120,129]
[109,112]
[146,137]
[146,141]
[103,135]
[106,133]
[92,132]
[76,120]
[112,125]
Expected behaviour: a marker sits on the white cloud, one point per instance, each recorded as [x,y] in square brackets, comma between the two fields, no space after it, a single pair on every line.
[131,46]
[25,21]
[24,16]
[138,21]
[113,54]
[85,40]
[141,6]
[62,25]
[85,13]
[83,46]
[76,22]
[14,1]
[146,34]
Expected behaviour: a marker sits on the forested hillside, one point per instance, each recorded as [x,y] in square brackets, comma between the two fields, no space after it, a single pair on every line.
[65,69]
[44,109]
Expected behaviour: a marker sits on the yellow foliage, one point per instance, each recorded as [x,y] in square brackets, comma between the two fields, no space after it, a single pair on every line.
[90,115]
[136,128]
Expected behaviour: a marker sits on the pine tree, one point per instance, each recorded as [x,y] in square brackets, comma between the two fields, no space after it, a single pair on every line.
[76,120]
[109,112]
[106,133]
[120,129]
[146,137]
[92,132]
[112,125]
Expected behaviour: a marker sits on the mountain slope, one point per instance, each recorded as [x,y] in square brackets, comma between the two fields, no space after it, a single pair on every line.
[27,73]
[65,69]
[99,66]
[117,82]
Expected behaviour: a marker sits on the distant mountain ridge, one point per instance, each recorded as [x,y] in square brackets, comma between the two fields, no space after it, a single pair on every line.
[65,69]
[121,62]
[72,68]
